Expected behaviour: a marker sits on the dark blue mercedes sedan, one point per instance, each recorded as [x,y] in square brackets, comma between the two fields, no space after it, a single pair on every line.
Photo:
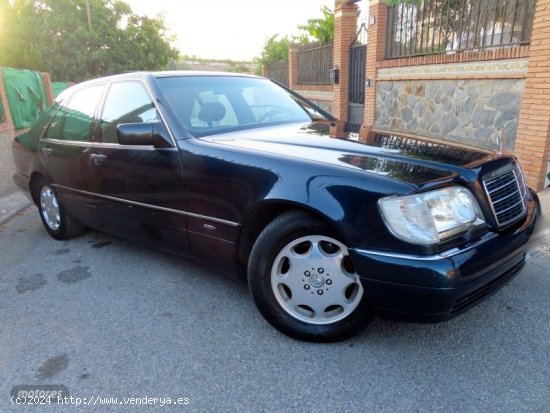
[330,228]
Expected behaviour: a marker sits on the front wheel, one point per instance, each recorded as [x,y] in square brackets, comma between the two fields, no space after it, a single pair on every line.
[57,221]
[303,281]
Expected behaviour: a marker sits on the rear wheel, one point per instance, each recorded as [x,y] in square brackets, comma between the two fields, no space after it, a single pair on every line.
[56,220]
[303,281]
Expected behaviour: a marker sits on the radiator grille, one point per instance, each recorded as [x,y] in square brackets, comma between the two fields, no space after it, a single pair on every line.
[507,192]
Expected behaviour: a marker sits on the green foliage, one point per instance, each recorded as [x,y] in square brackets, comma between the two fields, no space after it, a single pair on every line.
[194,58]
[396,2]
[240,68]
[321,30]
[186,62]
[80,39]
[276,47]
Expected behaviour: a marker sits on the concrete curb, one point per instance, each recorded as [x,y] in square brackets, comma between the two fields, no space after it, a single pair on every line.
[11,205]
[544,197]
[542,230]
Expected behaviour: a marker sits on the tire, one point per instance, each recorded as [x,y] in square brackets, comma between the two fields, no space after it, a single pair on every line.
[303,282]
[57,221]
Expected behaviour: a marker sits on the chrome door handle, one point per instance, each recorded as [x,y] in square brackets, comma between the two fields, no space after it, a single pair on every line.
[98,158]
[46,151]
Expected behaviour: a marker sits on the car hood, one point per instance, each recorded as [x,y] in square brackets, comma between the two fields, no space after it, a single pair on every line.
[409,159]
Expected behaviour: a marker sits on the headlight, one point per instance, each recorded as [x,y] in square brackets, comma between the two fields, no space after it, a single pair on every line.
[431,217]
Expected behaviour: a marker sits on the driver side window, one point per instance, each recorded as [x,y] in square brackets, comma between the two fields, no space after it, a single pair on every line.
[126,102]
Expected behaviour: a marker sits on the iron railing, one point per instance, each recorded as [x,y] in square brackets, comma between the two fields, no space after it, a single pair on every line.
[278,71]
[357,65]
[451,26]
[314,63]
[357,59]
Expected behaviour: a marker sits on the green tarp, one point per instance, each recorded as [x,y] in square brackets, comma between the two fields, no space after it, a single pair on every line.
[58,87]
[26,96]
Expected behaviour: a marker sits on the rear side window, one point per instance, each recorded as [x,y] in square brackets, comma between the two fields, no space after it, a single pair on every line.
[126,102]
[80,114]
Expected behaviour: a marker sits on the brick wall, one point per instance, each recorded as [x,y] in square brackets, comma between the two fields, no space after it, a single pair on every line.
[47,80]
[509,53]
[345,28]
[7,125]
[7,133]
[376,48]
[471,96]
[533,139]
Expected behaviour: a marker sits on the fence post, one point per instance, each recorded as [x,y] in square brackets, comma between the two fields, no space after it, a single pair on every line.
[376,50]
[533,137]
[345,28]
[7,125]
[47,81]
[293,66]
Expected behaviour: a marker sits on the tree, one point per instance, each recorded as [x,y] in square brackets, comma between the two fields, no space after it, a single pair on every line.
[276,47]
[79,39]
[396,2]
[322,29]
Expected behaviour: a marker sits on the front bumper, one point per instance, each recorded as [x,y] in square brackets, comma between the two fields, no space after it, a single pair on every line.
[439,287]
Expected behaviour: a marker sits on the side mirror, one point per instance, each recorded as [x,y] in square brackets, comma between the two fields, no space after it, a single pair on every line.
[144,133]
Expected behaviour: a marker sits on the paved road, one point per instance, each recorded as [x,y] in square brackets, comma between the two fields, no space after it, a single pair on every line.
[107,318]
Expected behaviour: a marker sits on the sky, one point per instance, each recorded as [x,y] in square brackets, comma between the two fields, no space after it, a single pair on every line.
[229,29]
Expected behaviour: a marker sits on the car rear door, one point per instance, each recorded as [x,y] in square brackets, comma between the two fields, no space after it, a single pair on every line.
[65,149]
[139,188]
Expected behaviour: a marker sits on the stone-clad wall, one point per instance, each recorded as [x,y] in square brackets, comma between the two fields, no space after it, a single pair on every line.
[468,110]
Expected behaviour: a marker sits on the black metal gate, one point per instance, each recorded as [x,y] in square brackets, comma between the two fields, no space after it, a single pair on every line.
[357,64]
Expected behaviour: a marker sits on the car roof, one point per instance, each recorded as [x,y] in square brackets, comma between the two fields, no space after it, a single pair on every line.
[148,74]
[173,73]
[168,73]
[157,74]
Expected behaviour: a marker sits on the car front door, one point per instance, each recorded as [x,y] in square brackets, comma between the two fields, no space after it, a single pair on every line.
[139,188]
[65,149]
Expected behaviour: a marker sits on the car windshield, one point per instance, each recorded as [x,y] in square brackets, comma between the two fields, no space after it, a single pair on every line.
[209,105]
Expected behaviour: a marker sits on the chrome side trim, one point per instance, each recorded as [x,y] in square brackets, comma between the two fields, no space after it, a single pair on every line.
[213,219]
[158,208]
[105,145]
[435,257]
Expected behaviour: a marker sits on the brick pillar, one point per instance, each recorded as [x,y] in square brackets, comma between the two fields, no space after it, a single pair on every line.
[265,71]
[533,137]
[7,125]
[47,80]
[345,28]
[293,66]
[376,50]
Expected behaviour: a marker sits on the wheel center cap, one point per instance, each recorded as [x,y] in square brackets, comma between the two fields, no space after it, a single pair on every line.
[316,280]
